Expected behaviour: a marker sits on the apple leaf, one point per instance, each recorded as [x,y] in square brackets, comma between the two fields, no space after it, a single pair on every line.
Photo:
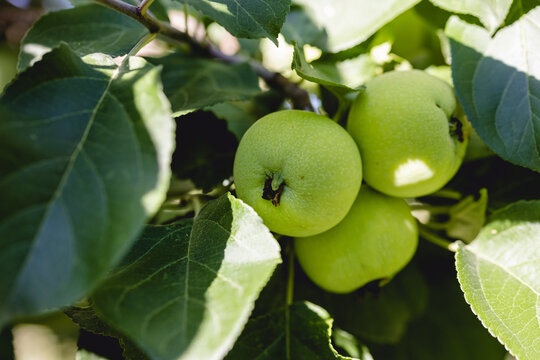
[490,12]
[497,80]
[86,29]
[518,8]
[467,217]
[89,320]
[350,22]
[246,18]
[299,331]
[186,290]
[299,27]
[307,71]
[193,83]
[85,152]
[351,345]
[498,273]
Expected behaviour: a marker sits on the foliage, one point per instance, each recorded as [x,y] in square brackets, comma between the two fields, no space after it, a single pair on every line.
[117,201]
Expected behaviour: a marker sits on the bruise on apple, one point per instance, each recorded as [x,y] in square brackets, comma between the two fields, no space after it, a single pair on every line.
[270,194]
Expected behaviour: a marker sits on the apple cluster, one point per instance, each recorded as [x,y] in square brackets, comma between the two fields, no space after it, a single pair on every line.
[303,173]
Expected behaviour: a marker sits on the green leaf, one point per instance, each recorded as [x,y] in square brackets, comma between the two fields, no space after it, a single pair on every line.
[89,320]
[85,153]
[240,115]
[300,331]
[490,12]
[518,8]
[332,80]
[299,27]
[498,273]
[246,18]
[186,290]
[350,22]
[193,83]
[467,217]
[497,82]
[351,345]
[86,29]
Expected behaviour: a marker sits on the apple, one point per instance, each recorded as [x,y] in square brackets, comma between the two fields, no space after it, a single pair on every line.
[376,239]
[300,171]
[411,142]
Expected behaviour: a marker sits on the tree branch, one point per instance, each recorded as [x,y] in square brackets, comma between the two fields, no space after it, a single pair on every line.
[276,81]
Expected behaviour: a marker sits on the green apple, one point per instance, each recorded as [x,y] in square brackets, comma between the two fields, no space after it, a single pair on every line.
[300,172]
[404,124]
[376,239]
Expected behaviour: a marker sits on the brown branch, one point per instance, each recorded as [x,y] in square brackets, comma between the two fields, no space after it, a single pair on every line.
[276,81]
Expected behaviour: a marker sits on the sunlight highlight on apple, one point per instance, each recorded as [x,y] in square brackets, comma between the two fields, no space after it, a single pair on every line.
[412,172]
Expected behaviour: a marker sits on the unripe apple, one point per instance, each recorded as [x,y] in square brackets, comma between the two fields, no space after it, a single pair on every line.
[410,141]
[374,241]
[300,172]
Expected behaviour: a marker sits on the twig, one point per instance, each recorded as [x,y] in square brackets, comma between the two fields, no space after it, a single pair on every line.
[143,7]
[293,91]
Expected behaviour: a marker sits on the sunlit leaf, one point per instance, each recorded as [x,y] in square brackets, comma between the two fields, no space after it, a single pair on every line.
[497,81]
[86,29]
[498,273]
[186,290]
[85,152]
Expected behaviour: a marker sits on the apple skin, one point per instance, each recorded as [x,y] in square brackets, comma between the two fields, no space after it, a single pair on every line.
[376,239]
[314,159]
[403,123]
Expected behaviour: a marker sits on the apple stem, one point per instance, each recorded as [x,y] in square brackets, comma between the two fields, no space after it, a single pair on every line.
[290,279]
[437,240]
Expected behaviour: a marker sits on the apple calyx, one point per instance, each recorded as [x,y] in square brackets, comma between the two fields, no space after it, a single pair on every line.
[456,128]
[273,188]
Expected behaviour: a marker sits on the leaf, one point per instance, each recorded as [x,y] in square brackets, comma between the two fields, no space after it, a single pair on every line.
[240,115]
[89,320]
[490,12]
[350,22]
[185,291]
[246,18]
[299,27]
[518,8]
[85,149]
[467,217]
[498,273]
[193,83]
[497,82]
[299,331]
[309,72]
[86,29]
